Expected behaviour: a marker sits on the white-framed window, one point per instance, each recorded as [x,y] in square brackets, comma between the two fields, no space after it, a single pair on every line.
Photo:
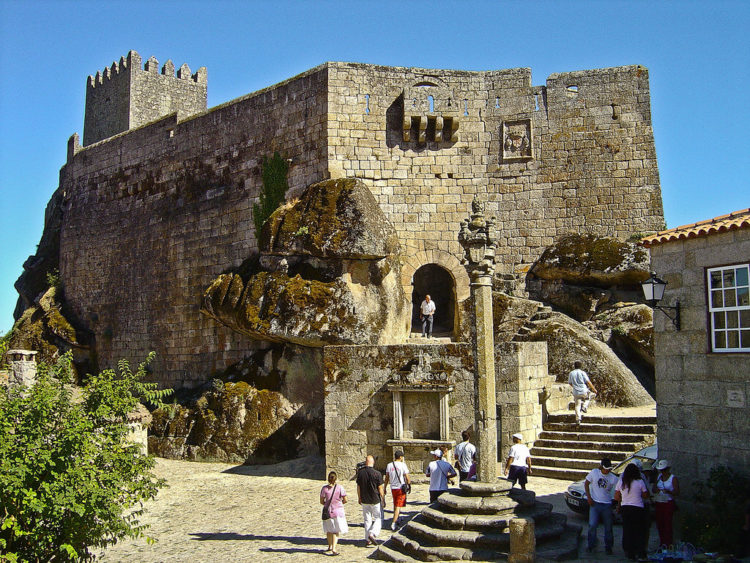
[729,308]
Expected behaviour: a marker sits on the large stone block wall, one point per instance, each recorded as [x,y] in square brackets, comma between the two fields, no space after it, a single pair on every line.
[153,215]
[699,424]
[521,377]
[591,164]
[359,406]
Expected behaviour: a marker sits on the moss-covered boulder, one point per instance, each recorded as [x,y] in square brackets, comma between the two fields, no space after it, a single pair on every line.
[236,423]
[580,275]
[628,329]
[328,273]
[594,261]
[44,327]
[331,219]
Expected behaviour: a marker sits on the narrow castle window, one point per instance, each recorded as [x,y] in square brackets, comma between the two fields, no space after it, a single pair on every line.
[573,89]
[367,104]
[431,100]
[466,106]
[536,102]
[497,103]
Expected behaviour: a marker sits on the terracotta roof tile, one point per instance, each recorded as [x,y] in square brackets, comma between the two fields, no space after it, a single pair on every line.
[737,220]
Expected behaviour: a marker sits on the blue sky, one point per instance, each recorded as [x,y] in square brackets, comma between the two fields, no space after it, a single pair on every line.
[697,53]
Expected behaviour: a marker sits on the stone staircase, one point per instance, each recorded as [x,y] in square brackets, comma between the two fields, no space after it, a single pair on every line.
[543,312]
[471,522]
[564,450]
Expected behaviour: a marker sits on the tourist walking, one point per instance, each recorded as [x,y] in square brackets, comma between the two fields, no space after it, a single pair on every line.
[464,453]
[426,313]
[518,464]
[397,475]
[599,485]
[581,384]
[333,499]
[371,496]
[631,492]
[666,489]
[439,471]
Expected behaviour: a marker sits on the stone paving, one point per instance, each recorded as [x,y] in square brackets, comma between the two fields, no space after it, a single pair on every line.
[220,512]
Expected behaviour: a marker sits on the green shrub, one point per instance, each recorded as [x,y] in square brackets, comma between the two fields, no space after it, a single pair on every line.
[721,500]
[70,481]
[273,190]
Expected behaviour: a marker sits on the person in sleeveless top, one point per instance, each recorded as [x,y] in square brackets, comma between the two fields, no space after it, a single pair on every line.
[334,495]
[666,489]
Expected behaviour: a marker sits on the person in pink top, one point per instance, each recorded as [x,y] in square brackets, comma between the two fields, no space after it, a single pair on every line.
[333,496]
[630,492]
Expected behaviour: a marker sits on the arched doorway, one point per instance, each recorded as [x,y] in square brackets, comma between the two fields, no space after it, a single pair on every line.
[437,282]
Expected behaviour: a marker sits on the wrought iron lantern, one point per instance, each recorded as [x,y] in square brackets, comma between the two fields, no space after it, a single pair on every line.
[653,291]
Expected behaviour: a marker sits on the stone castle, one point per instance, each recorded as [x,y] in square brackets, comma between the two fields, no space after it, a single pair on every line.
[158,200]
[152,231]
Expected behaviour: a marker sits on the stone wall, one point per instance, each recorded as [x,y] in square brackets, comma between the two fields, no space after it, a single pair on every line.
[703,397]
[151,217]
[521,376]
[359,406]
[589,166]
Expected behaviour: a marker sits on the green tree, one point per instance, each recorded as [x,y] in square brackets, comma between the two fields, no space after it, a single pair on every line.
[272,193]
[70,480]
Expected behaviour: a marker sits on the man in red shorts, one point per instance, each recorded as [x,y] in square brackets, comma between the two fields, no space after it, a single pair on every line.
[397,474]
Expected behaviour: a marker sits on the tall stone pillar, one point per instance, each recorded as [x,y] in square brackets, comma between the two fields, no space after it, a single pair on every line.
[478,238]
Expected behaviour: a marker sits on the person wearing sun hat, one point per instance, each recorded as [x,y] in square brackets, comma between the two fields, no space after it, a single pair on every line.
[666,488]
[600,484]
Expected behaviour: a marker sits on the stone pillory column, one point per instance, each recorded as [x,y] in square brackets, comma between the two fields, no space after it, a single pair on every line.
[478,238]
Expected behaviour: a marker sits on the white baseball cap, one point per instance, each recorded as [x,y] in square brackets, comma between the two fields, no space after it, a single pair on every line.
[518,435]
[437,453]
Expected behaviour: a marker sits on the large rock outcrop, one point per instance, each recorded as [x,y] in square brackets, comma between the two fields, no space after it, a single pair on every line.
[236,423]
[580,274]
[327,274]
[567,341]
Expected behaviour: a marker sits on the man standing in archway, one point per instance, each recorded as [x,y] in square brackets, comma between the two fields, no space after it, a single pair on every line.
[427,310]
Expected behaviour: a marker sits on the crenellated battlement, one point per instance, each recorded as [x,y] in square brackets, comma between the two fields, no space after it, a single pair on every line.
[130,93]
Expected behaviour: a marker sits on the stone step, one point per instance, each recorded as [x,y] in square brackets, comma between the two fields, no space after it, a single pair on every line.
[498,522]
[419,529]
[594,436]
[422,551]
[386,553]
[589,425]
[566,547]
[454,501]
[542,315]
[563,463]
[570,417]
[578,453]
[560,473]
[583,443]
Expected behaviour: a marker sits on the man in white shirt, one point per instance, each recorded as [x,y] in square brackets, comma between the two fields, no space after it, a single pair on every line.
[518,464]
[439,471]
[397,474]
[426,312]
[580,382]
[464,453]
[600,484]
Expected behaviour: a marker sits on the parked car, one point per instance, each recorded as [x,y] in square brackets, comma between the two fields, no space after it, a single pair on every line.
[575,496]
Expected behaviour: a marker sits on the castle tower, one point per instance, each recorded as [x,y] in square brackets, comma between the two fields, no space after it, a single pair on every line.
[126,95]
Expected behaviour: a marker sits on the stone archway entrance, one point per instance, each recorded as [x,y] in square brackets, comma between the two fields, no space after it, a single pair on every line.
[439,284]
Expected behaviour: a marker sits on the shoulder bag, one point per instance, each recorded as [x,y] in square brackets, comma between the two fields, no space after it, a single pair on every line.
[406,487]
[326,506]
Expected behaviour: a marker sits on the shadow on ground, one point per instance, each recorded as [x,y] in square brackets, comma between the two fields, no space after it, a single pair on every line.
[309,467]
